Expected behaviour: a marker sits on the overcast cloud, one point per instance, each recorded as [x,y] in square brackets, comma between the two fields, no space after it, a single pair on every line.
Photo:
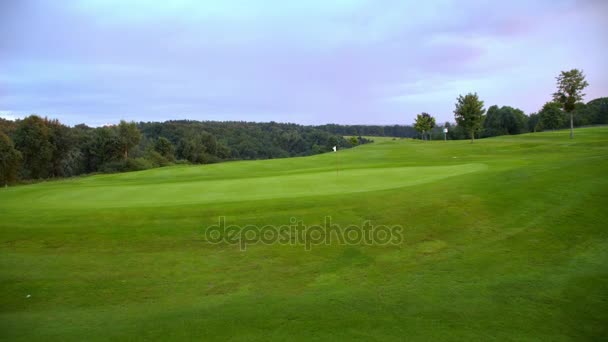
[309,62]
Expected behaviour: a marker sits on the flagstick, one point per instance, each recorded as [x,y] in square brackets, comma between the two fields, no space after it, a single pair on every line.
[337,162]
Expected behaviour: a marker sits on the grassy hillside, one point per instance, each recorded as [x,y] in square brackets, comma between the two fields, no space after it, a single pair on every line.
[503,239]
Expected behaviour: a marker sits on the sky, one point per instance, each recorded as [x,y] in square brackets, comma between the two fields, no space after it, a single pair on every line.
[308,62]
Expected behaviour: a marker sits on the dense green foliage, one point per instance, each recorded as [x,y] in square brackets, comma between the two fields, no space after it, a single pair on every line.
[595,112]
[165,148]
[469,113]
[497,246]
[504,120]
[399,131]
[128,136]
[33,140]
[210,141]
[10,160]
[534,123]
[551,116]
[50,149]
[424,123]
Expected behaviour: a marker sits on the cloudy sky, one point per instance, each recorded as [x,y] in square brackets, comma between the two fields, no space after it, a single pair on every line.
[309,62]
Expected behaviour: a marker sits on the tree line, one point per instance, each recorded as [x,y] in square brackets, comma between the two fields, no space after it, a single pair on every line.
[565,109]
[41,148]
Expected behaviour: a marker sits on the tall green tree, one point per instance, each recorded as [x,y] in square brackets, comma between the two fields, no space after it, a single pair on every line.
[194,146]
[534,123]
[32,139]
[10,160]
[129,136]
[551,115]
[598,110]
[424,123]
[7,127]
[492,125]
[165,148]
[504,120]
[469,113]
[570,85]
[101,146]
[62,141]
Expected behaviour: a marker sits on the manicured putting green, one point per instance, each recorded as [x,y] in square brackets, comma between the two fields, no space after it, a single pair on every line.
[184,191]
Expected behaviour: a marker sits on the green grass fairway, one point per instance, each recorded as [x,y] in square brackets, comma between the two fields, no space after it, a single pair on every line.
[504,239]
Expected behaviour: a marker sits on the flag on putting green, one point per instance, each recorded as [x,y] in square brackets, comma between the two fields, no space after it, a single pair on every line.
[335,149]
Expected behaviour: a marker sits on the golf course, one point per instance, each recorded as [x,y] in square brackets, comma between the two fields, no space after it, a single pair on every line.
[502,239]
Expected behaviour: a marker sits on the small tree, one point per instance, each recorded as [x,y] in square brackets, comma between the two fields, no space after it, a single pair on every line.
[129,136]
[570,85]
[424,123]
[469,113]
[10,160]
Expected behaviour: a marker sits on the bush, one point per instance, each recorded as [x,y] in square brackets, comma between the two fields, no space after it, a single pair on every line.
[138,164]
[113,166]
[157,159]
[206,158]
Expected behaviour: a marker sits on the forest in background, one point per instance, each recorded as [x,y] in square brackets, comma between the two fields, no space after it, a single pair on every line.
[41,148]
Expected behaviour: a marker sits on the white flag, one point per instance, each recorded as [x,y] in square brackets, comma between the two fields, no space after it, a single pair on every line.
[335,149]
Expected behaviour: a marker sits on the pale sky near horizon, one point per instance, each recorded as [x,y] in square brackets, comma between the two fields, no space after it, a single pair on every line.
[308,62]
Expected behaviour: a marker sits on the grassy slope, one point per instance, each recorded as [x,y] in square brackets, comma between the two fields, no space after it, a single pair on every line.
[504,239]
